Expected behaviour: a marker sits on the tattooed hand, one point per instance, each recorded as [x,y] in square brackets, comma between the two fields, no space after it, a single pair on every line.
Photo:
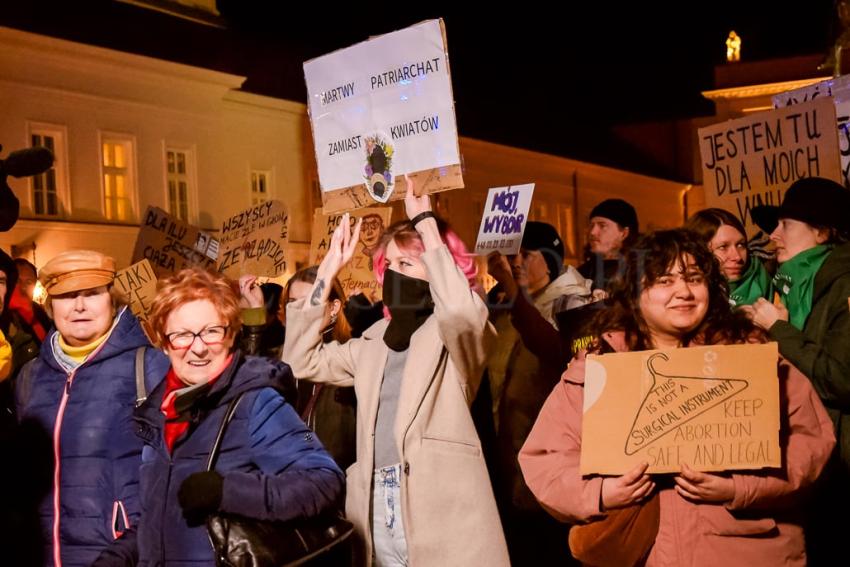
[341,249]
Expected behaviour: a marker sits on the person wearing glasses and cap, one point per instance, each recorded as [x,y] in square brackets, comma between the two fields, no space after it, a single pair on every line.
[811,230]
[271,466]
[81,389]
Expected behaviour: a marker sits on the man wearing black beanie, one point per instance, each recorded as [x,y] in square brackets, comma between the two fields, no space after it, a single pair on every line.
[532,283]
[613,228]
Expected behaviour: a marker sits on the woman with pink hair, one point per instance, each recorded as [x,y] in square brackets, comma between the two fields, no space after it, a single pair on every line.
[419,493]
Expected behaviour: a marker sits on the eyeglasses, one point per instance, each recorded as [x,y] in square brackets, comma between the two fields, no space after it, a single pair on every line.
[209,336]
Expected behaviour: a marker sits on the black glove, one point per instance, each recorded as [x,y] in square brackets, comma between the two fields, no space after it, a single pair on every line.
[199,495]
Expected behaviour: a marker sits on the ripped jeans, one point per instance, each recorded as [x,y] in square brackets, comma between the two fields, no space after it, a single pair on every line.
[390,547]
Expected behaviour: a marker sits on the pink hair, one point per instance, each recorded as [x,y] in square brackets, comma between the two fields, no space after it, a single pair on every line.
[405,236]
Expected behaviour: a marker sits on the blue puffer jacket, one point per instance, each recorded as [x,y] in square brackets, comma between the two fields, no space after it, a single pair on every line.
[89,414]
[273,466]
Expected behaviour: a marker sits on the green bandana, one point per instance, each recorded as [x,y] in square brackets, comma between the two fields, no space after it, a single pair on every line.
[754,283]
[795,282]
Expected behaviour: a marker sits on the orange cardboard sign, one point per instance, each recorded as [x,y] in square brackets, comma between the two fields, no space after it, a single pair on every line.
[357,276]
[714,408]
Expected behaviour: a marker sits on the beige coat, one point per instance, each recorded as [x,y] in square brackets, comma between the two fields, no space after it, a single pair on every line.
[449,513]
[760,526]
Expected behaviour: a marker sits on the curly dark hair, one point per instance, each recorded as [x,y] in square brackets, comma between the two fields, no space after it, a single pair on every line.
[649,259]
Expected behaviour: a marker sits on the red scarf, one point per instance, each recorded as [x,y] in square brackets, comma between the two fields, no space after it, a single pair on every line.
[173,428]
[21,303]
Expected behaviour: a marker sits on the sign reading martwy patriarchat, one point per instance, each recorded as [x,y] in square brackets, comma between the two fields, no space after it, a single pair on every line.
[752,160]
[504,219]
[381,109]
[713,408]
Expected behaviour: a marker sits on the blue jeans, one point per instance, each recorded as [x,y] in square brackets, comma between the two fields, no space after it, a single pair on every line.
[390,547]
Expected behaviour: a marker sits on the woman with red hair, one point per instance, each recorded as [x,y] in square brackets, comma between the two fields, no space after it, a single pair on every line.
[419,492]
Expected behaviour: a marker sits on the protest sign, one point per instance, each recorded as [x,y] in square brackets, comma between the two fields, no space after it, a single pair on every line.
[138,284]
[753,160]
[381,109]
[504,219]
[170,244]
[253,241]
[714,408]
[839,89]
[358,275]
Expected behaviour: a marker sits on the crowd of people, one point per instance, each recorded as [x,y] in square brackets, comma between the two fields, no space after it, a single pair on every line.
[444,421]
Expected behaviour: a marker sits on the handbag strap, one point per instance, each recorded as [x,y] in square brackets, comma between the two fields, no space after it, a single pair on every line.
[228,415]
[141,391]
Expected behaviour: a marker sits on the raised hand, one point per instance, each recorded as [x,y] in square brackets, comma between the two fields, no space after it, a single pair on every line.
[250,292]
[414,205]
[341,249]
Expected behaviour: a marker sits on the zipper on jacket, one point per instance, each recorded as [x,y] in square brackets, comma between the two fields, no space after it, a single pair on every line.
[57,466]
[57,430]
[118,531]
[164,502]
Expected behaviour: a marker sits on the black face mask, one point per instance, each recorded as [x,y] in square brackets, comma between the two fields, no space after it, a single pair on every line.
[410,304]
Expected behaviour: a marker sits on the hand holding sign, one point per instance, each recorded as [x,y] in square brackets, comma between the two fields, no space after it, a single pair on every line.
[504,219]
[415,204]
[342,248]
[251,294]
[628,489]
[426,227]
[704,487]
[499,267]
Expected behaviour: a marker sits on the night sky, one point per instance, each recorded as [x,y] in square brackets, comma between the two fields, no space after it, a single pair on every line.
[524,75]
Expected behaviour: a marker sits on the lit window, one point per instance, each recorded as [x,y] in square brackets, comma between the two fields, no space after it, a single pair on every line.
[117,156]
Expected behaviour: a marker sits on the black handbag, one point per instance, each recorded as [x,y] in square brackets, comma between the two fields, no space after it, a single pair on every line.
[245,542]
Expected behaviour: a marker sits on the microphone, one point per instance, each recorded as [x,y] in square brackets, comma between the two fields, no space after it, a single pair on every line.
[21,163]
[27,162]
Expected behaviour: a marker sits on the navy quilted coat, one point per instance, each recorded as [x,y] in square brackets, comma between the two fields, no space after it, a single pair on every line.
[97,454]
[273,465]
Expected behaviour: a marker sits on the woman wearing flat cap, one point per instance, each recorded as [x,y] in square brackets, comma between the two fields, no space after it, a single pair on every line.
[82,390]
[811,229]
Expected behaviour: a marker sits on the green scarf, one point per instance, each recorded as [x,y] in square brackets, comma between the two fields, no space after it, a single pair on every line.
[754,283]
[795,282]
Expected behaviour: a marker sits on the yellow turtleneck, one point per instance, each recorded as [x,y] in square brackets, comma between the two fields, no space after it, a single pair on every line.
[79,353]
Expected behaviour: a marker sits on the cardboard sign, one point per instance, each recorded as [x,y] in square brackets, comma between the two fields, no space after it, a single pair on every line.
[381,109]
[253,241]
[357,276]
[138,283]
[753,160]
[715,408]
[839,89]
[504,219]
[170,244]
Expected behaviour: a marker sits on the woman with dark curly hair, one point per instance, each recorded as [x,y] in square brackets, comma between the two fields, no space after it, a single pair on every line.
[673,295]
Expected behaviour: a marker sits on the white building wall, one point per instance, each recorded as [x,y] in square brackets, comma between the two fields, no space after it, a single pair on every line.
[89,91]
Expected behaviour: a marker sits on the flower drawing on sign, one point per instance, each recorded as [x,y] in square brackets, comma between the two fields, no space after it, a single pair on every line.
[378,169]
